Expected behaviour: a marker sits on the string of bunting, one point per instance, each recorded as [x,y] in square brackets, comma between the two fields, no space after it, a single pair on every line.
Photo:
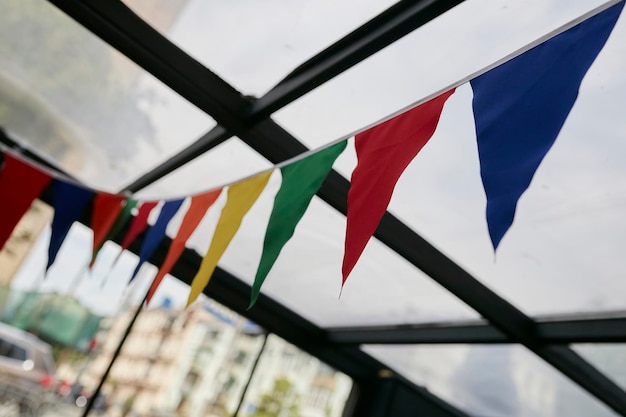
[519,106]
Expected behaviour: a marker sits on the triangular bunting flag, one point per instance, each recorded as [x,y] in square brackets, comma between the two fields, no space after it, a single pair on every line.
[383,153]
[120,222]
[20,184]
[69,201]
[300,182]
[156,233]
[139,223]
[240,198]
[122,218]
[106,208]
[194,215]
[520,107]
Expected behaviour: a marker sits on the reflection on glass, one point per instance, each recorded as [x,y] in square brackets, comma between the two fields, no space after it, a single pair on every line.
[60,332]
[76,100]
[608,358]
[488,380]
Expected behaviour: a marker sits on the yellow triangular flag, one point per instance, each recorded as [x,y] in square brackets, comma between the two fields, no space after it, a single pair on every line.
[241,197]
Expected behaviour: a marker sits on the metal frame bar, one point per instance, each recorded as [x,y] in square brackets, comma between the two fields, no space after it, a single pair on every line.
[565,330]
[118,26]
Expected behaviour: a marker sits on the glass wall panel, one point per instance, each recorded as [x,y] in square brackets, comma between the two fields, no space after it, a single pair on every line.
[491,380]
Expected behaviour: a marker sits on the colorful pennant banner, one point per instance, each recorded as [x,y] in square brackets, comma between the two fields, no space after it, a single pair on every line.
[519,108]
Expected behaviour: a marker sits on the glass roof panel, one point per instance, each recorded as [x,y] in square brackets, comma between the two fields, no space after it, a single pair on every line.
[608,358]
[491,380]
[253,44]
[563,253]
[75,99]
[383,289]
[228,162]
[424,62]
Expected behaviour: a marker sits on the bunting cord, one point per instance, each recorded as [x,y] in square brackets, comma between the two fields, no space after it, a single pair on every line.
[557,31]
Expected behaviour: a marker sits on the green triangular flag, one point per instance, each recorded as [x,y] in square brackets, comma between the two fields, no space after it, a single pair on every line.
[301,180]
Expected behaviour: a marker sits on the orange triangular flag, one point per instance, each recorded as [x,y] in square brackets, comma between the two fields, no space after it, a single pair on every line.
[194,215]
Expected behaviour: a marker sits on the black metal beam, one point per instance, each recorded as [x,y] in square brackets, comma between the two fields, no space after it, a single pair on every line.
[472,332]
[605,330]
[561,331]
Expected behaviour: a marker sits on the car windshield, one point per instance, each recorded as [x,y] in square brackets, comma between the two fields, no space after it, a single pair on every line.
[12,351]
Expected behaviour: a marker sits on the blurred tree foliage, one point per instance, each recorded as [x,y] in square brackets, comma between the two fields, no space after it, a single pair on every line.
[280,402]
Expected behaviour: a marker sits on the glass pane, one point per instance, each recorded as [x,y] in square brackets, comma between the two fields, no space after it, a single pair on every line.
[563,253]
[74,99]
[491,380]
[424,62]
[228,162]
[608,358]
[253,44]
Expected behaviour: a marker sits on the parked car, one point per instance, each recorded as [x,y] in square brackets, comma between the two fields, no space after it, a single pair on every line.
[26,369]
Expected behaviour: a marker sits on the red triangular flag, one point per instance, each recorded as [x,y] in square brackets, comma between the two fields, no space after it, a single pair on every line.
[106,208]
[139,223]
[383,153]
[194,215]
[20,184]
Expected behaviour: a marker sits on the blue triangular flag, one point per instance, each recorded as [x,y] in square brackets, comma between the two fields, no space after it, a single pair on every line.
[156,232]
[520,107]
[69,201]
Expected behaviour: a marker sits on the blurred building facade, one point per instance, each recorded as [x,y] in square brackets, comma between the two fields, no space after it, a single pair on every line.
[22,240]
[195,363]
